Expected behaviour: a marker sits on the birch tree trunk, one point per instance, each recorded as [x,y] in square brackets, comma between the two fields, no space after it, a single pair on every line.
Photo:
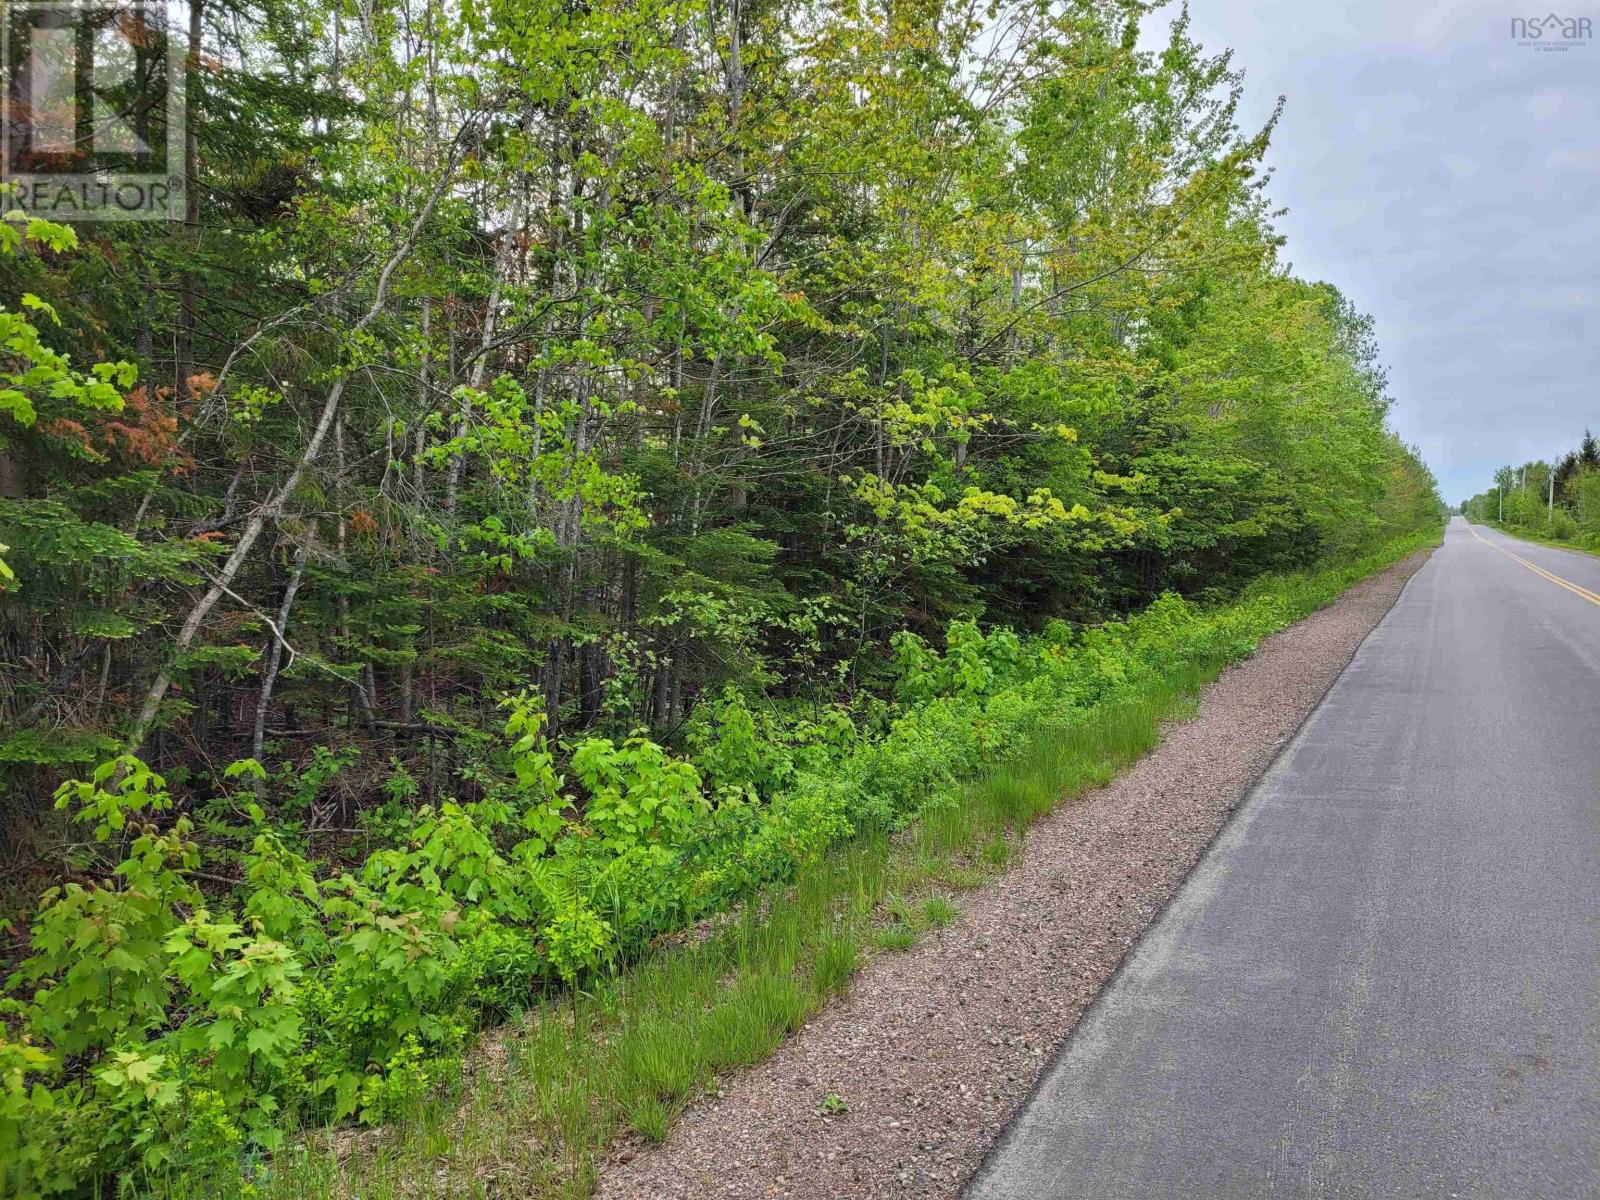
[269,677]
[272,507]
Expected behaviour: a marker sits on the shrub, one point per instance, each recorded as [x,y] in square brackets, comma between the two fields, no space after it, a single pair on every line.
[161,1034]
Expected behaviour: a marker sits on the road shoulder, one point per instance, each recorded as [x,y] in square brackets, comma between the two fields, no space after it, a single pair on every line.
[1529,539]
[933,1050]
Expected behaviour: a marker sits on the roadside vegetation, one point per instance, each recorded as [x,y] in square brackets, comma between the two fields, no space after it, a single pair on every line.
[624,1056]
[604,517]
[1555,502]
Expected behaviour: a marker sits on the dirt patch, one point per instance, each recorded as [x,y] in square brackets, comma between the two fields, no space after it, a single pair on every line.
[932,1050]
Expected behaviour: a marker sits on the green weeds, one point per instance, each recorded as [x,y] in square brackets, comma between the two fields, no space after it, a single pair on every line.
[532,1110]
[653,1037]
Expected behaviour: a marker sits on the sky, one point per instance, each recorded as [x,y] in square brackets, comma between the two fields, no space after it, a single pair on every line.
[1447,179]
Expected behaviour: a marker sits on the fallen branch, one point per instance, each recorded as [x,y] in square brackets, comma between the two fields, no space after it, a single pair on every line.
[272,507]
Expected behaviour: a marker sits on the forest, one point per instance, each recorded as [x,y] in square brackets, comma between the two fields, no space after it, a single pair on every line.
[575,468]
[1556,501]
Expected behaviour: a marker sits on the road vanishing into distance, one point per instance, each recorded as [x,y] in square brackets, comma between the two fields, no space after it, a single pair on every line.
[1383,980]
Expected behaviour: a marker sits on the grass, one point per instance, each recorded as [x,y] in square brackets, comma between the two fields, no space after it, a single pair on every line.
[837,959]
[628,1054]
[904,922]
[625,1055]
[1580,543]
[631,1052]
[895,938]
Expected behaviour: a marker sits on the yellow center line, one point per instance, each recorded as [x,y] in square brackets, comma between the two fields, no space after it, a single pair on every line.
[1575,589]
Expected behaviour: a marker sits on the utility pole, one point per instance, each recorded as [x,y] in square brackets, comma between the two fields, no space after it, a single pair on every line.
[1551,518]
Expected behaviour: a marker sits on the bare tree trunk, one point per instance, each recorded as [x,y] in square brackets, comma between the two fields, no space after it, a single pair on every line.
[502,261]
[360,695]
[241,550]
[275,647]
[677,398]
[183,349]
[1016,303]
[539,380]
[702,432]
[144,345]
[663,681]
[419,439]
[569,525]
[419,442]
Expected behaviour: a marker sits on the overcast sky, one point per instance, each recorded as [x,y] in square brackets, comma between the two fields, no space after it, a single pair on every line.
[1447,179]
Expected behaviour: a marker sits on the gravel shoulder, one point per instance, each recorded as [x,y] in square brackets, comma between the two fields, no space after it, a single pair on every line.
[934,1049]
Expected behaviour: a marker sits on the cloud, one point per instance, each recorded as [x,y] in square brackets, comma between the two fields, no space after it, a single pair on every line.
[1560,299]
[1566,158]
[1446,180]
[1547,105]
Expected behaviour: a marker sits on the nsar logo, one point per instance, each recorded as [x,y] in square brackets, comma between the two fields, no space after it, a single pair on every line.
[1552,32]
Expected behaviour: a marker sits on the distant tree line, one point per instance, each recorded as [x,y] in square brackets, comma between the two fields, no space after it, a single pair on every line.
[1560,500]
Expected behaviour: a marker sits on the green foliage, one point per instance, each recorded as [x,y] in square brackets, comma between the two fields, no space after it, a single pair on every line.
[579,940]
[639,797]
[34,373]
[972,665]
[1557,501]
[191,1026]
[27,1107]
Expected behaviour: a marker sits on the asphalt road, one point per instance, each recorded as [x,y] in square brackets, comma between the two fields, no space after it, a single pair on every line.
[1383,980]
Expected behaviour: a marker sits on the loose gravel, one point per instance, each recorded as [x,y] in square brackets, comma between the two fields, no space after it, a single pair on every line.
[932,1050]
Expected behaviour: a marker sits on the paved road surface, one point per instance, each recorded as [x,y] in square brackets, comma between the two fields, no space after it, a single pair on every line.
[1384,978]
